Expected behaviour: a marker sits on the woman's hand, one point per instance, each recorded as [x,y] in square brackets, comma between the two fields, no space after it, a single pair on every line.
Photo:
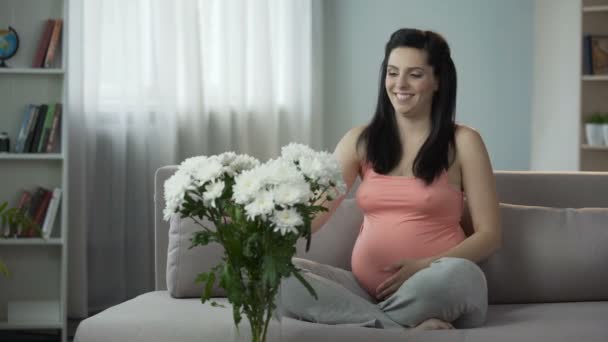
[403,270]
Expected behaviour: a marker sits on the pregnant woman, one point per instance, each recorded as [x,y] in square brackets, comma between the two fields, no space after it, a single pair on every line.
[412,264]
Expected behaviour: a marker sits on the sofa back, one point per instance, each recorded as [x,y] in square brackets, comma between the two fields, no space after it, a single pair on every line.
[526,269]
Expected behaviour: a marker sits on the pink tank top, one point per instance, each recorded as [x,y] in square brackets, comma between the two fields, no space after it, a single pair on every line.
[403,218]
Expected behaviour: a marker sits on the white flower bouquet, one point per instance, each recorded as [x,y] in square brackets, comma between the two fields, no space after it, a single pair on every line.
[259,212]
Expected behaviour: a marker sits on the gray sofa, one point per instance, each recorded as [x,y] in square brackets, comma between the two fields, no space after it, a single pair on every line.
[549,282]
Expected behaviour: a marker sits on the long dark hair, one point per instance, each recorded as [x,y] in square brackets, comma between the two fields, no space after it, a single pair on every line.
[381,137]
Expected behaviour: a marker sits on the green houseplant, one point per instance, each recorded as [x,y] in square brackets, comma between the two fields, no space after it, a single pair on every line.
[17,219]
[594,129]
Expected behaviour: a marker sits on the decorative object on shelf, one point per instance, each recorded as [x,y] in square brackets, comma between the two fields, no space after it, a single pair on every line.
[599,55]
[259,212]
[5,142]
[594,130]
[9,45]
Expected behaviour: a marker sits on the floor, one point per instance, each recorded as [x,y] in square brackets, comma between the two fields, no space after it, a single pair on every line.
[40,335]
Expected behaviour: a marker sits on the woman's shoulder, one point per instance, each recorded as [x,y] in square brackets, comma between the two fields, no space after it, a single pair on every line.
[351,143]
[465,135]
[469,142]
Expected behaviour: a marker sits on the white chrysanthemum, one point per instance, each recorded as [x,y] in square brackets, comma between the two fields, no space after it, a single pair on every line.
[207,171]
[175,188]
[213,191]
[313,168]
[262,205]
[295,151]
[226,158]
[289,194]
[192,164]
[246,186]
[286,221]
[241,163]
[280,171]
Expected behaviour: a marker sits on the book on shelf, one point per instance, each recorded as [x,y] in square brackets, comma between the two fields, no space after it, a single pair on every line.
[20,142]
[31,127]
[46,129]
[51,213]
[55,134]
[587,62]
[40,130]
[43,44]
[48,44]
[37,205]
[53,44]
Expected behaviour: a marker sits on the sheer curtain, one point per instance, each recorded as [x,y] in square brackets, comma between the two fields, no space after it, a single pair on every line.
[152,82]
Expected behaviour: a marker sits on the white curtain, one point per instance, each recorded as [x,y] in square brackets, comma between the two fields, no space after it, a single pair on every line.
[152,82]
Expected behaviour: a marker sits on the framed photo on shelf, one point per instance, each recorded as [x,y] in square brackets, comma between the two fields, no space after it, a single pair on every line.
[599,55]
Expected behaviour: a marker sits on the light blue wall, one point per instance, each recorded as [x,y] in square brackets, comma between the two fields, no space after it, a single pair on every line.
[492,47]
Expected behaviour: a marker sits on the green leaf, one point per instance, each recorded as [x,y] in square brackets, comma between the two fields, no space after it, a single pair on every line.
[203,238]
[216,304]
[209,286]
[3,206]
[297,274]
[236,314]
[250,245]
[201,278]
[269,276]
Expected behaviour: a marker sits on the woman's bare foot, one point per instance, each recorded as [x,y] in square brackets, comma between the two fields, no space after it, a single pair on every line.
[434,324]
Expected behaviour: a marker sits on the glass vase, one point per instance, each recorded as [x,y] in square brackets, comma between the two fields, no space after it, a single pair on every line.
[257,331]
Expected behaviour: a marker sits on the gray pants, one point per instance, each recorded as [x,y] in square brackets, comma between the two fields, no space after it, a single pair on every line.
[451,289]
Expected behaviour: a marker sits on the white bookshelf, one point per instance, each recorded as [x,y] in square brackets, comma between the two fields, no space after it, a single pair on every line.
[593,88]
[34,297]
[31,242]
[563,95]
[31,71]
[595,8]
[31,156]
[595,77]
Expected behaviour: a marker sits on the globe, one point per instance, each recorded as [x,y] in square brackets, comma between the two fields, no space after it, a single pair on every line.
[9,44]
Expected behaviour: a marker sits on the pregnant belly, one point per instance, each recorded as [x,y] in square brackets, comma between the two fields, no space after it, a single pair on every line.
[377,248]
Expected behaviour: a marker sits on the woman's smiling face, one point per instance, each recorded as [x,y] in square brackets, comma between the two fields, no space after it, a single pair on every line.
[410,82]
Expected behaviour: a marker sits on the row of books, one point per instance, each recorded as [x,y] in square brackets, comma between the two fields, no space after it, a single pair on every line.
[48,44]
[42,207]
[595,55]
[40,129]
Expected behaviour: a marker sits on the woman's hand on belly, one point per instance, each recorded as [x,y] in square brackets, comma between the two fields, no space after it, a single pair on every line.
[402,271]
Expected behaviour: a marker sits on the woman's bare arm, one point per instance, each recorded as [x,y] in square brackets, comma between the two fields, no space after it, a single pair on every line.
[346,153]
[482,199]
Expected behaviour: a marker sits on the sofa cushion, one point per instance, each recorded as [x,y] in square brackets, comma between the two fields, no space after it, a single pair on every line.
[333,244]
[185,263]
[549,255]
[156,317]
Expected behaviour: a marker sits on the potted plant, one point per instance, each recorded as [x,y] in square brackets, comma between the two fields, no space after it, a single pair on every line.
[594,129]
[16,219]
